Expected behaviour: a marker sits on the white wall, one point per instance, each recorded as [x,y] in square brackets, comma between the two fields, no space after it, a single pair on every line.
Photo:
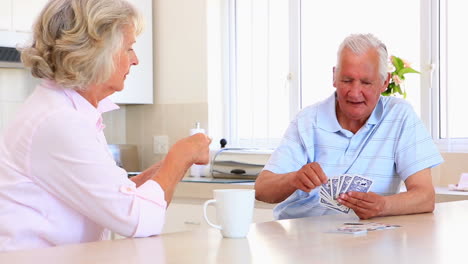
[180,81]
[180,77]
[15,86]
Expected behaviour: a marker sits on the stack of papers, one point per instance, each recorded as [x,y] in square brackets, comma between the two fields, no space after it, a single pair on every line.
[462,184]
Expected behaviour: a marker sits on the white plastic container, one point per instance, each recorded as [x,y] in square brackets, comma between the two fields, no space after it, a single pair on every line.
[198,170]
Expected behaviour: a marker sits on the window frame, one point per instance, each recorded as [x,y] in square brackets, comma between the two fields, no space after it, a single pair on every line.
[435,22]
[432,75]
[293,78]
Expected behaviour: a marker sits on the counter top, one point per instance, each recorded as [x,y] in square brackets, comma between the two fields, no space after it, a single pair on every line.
[197,190]
[217,180]
[437,237]
[443,194]
[201,189]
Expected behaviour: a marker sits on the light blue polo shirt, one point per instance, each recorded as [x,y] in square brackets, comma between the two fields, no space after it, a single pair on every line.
[390,147]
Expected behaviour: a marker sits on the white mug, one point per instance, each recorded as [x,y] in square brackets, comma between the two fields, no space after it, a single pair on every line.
[234,211]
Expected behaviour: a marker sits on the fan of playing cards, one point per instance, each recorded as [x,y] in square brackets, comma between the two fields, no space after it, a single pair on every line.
[335,186]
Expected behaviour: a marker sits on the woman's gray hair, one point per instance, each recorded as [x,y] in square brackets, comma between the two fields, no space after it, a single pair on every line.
[75,41]
[361,43]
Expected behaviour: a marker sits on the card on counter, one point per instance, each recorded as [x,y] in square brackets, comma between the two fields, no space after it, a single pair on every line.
[356,228]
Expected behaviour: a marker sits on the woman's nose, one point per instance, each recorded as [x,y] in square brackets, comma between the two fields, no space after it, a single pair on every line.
[134,60]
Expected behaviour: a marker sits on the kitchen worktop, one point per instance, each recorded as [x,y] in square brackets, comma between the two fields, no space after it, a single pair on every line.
[217,180]
[421,238]
[197,190]
[186,209]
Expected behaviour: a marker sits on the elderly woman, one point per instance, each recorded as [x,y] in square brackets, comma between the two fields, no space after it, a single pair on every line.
[58,181]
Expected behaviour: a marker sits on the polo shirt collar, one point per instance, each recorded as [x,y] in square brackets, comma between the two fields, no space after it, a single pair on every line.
[326,114]
[376,115]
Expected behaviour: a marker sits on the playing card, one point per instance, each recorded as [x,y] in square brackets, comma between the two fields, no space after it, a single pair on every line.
[333,205]
[324,194]
[340,181]
[346,180]
[335,186]
[357,228]
[326,188]
[359,184]
[326,202]
[346,230]
[368,226]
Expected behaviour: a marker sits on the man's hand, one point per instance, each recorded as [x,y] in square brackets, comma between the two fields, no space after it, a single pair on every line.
[365,205]
[308,177]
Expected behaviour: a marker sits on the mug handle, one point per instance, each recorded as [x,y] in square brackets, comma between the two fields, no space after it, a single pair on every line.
[205,206]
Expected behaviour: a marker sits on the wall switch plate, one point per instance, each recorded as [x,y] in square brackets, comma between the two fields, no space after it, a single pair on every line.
[160,144]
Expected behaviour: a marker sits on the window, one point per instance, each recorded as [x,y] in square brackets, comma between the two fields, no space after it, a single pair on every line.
[453,58]
[324,26]
[259,72]
[283,53]
[446,52]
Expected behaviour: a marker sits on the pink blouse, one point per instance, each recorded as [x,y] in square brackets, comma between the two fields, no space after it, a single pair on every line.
[58,181]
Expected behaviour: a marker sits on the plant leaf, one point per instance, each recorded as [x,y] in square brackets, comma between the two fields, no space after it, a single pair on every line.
[407,70]
[398,63]
[400,71]
[398,89]
[385,93]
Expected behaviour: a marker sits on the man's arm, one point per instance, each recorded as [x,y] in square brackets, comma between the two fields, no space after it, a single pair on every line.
[419,198]
[274,188]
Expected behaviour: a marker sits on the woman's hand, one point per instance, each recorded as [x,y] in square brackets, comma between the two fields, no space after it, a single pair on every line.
[183,154]
[194,149]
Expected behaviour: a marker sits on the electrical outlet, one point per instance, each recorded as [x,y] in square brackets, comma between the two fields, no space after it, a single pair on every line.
[160,144]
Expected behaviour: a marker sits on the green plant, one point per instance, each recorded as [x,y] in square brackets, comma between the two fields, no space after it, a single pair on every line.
[399,68]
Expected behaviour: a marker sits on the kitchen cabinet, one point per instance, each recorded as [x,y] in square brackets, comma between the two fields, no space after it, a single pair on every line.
[24,13]
[16,20]
[139,83]
[186,217]
[5,15]
[18,16]
[185,212]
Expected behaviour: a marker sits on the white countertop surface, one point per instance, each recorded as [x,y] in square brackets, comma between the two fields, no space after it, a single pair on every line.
[202,189]
[217,180]
[437,237]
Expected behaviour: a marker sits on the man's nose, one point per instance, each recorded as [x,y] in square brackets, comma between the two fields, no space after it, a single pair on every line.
[355,89]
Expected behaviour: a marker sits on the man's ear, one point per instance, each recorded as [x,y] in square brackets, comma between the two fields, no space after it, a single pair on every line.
[334,81]
[385,85]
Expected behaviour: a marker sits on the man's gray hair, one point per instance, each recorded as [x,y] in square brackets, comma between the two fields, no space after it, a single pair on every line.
[361,43]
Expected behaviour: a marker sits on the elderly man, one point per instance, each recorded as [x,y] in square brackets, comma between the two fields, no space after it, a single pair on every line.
[354,131]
